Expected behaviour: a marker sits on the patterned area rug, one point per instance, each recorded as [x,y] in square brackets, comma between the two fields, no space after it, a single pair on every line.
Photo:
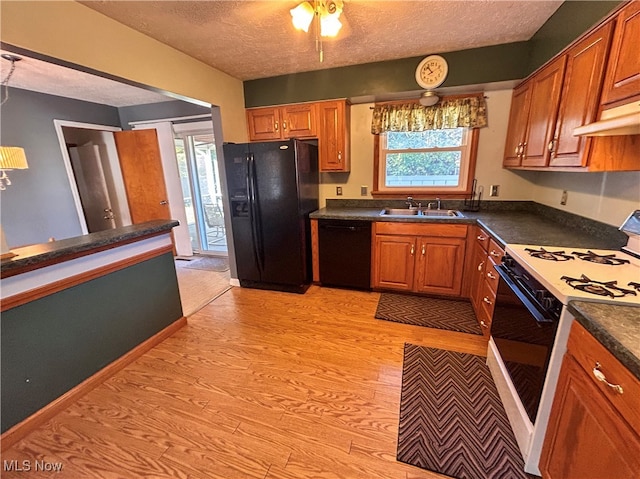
[209,263]
[451,418]
[428,312]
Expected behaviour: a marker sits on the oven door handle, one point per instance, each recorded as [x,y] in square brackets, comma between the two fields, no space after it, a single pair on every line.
[523,296]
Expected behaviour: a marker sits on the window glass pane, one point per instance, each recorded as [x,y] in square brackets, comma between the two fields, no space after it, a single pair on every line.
[402,140]
[440,168]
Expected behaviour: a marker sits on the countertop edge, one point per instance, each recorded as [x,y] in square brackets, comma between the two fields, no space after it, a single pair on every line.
[33,257]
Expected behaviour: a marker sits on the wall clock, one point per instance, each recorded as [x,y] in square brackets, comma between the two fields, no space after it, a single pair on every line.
[432,72]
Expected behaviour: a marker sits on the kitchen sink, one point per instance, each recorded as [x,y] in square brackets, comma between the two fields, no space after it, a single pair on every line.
[418,212]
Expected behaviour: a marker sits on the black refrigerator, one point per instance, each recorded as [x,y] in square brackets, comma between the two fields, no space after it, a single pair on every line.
[273,186]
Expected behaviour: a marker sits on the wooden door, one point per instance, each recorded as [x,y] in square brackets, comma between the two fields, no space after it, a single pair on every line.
[394,262]
[586,437]
[332,138]
[92,187]
[143,175]
[264,124]
[545,97]
[439,265]
[299,121]
[622,82]
[579,100]
[517,125]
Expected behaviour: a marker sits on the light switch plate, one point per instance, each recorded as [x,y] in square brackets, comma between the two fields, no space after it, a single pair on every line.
[339,190]
[363,190]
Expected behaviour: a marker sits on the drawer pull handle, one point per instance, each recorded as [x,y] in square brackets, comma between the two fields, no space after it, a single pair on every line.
[481,238]
[413,249]
[423,250]
[483,324]
[481,266]
[276,126]
[495,253]
[487,300]
[603,379]
[490,275]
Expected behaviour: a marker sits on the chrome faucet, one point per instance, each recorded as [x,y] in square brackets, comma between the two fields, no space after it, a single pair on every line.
[431,203]
[412,204]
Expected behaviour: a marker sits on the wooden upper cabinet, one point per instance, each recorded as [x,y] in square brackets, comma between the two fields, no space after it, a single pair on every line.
[517,125]
[264,124]
[579,99]
[334,135]
[281,123]
[299,121]
[545,86]
[622,81]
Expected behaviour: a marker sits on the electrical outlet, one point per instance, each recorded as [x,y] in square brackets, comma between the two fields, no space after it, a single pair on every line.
[363,190]
[495,190]
[563,198]
[339,190]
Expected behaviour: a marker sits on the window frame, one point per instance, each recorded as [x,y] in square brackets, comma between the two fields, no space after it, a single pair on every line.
[378,178]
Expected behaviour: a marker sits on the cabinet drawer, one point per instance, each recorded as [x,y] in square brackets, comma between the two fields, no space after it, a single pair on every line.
[421,229]
[487,302]
[587,351]
[491,275]
[496,252]
[482,238]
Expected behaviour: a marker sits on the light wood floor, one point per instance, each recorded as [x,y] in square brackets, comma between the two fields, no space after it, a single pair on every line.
[258,385]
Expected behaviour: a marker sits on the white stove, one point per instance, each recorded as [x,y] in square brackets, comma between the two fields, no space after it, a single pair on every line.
[544,279]
[614,276]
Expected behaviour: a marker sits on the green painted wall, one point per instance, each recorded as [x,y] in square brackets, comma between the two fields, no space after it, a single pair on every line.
[571,20]
[54,343]
[511,61]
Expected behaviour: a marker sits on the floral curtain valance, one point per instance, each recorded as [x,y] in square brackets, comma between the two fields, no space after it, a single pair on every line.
[468,112]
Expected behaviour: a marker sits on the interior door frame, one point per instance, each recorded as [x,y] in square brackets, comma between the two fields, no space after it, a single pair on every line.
[58,124]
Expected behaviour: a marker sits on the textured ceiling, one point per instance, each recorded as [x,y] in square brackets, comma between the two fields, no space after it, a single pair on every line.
[44,77]
[255,39]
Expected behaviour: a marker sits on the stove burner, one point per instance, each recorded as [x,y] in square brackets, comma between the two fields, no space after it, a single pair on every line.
[549,255]
[634,285]
[609,259]
[600,288]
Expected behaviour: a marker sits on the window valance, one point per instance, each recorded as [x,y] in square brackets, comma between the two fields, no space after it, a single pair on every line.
[468,112]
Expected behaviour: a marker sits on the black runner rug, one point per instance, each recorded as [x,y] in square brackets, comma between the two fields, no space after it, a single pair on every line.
[451,418]
[429,312]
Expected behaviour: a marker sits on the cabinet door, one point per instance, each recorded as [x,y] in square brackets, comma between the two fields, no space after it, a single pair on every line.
[394,262]
[264,124]
[545,96]
[299,121]
[579,100]
[333,139]
[517,125]
[622,82]
[586,437]
[440,263]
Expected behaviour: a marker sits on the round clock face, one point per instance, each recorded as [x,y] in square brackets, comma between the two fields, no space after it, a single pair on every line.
[432,71]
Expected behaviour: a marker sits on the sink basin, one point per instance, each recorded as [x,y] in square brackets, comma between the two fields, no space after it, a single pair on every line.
[417,212]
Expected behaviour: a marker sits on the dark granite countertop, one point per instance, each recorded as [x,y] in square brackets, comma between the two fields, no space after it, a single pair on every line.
[34,256]
[616,327]
[509,222]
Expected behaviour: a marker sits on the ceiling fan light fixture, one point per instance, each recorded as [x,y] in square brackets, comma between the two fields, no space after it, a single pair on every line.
[302,16]
[429,98]
[330,25]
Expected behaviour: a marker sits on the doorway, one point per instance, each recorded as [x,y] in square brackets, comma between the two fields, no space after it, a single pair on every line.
[202,191]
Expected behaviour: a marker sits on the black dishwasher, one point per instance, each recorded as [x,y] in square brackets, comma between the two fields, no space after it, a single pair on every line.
[345,253]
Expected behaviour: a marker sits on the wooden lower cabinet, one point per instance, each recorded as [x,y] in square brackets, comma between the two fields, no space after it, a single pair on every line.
[592,431]
[410,261]
[484,278]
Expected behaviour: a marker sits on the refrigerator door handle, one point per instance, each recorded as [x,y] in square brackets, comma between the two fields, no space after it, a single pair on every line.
[256,229]
[252,213]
